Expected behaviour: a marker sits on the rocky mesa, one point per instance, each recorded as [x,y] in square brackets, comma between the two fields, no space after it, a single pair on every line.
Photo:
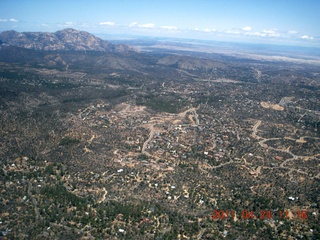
[66,39]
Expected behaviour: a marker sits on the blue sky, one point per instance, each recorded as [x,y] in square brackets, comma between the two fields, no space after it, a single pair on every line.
[289,22]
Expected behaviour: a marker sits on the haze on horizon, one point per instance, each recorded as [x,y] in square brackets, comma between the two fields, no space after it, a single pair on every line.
[284,22]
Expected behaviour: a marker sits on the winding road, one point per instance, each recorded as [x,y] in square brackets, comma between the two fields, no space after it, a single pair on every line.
[157,120]
[145,144]
[263,144]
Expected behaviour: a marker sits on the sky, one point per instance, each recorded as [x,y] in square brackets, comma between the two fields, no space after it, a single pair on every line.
[285,22]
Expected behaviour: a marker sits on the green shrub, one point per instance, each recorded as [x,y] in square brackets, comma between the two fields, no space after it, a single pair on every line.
[68,141]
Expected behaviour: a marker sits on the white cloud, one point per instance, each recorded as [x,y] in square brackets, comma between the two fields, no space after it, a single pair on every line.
[274,35]
[273,32]
[133,24]
[85,25]
[169,27]
[68,24]
[259,34]
[306,37]
[269,31]
[247,28]
[10,20]
[232,31]
[147,25]
[292,32]
[107,23]
[207,30]
[247,31]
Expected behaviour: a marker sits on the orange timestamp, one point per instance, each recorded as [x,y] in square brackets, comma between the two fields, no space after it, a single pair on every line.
[262,215]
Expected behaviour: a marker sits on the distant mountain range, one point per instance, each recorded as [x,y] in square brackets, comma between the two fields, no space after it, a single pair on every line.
[66,39]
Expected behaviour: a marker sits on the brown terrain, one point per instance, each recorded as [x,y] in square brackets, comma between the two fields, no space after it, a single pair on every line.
[112,144]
